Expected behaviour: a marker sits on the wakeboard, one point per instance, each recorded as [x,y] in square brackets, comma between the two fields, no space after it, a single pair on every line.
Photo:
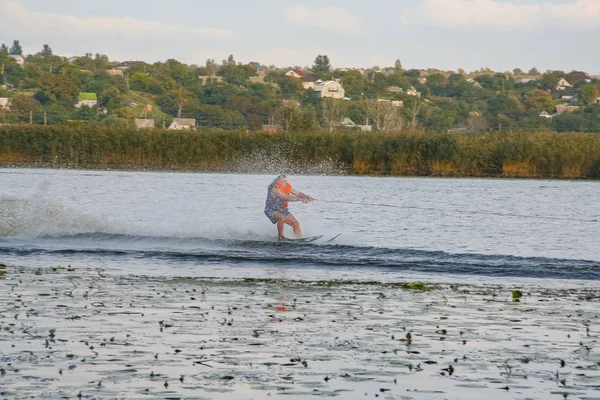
[304,240]
[311,239]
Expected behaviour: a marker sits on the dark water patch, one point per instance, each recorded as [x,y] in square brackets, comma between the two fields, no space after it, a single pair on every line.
[252,253]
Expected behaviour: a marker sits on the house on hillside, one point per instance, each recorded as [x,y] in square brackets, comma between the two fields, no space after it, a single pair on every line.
[115,72]
[19,59]
[561,108]
[475,83]
[4,103]
[210,78]
[260,70]
[182,124]
[348,123]
[330,89]
[413,92]
[394,89]
[295,73]
[144,123]
[563,84]
[126,64]
[256,79]
[545,114]
[87,99]
[310,81]
[270,128]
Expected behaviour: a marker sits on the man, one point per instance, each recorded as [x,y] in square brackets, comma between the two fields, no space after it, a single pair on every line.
[279,193]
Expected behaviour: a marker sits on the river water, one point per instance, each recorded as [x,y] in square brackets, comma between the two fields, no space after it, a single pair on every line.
[212,225]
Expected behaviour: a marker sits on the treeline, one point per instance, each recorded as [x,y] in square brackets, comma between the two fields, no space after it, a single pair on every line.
[407,153]
[232,95]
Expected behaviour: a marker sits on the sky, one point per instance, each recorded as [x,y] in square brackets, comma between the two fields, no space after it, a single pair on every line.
[444,34]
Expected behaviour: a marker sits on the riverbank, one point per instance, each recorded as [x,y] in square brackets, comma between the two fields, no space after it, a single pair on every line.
[69,331]
[510,155]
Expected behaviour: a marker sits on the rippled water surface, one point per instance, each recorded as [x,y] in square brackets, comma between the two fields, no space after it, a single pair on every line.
[213,225]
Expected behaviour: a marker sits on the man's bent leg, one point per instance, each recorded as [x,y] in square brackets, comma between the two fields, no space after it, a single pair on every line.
[291,220]
[280,223]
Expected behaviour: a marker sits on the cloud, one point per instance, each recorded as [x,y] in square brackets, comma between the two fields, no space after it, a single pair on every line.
[328,18]
[503,16]
[16,17]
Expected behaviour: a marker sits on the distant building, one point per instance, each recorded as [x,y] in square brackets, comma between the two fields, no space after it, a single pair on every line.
[413,92]
[260,70]
[310,81]
[19,59]
[256,79]
[330,89]
[545,114]
[394,89]
[115,72]
[213,78]
[126,64]
[144,123]
[348,123]
[395,103]
[295,73]
[87,99]
[270,128]
[182,123]
[71,60]
[4,103]
[561,108]
[475,83]
[563,84]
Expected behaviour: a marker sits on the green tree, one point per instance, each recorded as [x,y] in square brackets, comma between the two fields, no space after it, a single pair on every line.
[57,88]
[517,71]
[16,49]
[398,66]
[533,71]
[4,48]
[142,82]
[22,104]
[539,100]
[508,106]
[291,88]
[575,77]
[588,94]
[46,51]
[550,79]
[86,113]
[354,82]
[321,64]
[111,99]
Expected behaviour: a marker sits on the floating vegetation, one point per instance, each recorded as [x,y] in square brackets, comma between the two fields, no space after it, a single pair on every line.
[334,338]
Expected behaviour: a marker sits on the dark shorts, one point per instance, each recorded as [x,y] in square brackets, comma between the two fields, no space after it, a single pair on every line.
[269,214]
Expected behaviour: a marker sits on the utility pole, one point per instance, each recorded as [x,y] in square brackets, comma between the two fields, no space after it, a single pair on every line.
[30,117]
[45,118]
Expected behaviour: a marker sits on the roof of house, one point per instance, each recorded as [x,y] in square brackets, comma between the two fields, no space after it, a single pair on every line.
[256,65]
[347,122]
[185,121]
[394,89]
[309,78]
[322,85]
[87,96]
[297,71]
[144,123]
